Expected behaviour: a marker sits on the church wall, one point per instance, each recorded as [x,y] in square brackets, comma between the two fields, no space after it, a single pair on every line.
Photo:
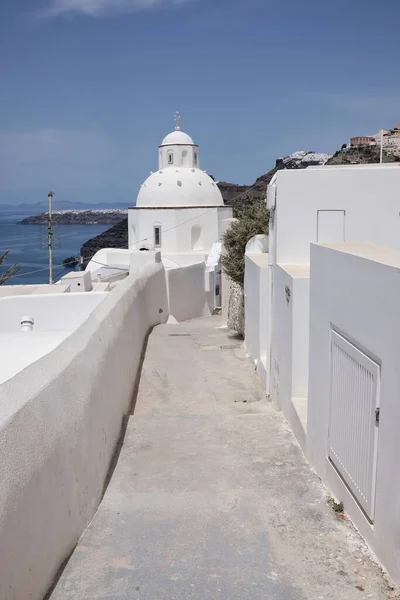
[143,222]
[224,212]
[177,228]
[182,156]
[204,219]
[59,433]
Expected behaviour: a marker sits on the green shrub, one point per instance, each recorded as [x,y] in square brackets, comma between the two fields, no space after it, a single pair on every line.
[252,219]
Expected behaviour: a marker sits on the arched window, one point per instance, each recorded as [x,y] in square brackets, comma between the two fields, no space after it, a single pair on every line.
[196,238]
[170,156]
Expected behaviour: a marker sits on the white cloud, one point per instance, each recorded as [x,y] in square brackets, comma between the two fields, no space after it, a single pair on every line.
[102,8]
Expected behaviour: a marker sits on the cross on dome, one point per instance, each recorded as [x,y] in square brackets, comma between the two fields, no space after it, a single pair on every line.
[177,118]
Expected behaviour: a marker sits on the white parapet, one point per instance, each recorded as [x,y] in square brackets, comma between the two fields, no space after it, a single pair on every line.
[79,281]
[141,258]
[60,421]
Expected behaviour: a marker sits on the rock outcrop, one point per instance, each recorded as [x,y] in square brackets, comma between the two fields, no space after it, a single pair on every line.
[302,159]
[115,237]
[235,195]
[362,155]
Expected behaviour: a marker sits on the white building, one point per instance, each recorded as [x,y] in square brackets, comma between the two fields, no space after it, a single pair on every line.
[322,324]
[179,207]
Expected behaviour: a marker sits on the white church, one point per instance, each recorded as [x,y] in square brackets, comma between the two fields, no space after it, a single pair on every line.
[179,208]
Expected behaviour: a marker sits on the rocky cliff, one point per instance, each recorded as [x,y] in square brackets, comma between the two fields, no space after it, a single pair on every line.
[361,155]
[115,237]
[235,195]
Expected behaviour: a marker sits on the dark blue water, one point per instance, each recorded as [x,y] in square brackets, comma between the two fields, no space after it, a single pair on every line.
[28,246]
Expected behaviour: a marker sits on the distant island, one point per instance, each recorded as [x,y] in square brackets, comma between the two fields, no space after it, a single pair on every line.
[36,207]
[108,216]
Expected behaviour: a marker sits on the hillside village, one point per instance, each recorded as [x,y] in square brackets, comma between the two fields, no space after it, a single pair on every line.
[149,449]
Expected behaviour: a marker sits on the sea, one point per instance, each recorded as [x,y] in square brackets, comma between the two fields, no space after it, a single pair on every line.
[28,246]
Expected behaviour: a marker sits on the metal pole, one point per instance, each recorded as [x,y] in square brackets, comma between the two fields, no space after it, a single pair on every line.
[381,156]
[50,236]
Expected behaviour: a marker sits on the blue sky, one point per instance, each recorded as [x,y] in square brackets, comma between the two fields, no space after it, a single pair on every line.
[89,87]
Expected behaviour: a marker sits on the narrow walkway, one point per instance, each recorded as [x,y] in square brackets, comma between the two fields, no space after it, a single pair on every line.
[211,497]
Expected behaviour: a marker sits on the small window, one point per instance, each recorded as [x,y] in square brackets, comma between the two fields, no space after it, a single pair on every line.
[170,158]
[157,236]
[195,158]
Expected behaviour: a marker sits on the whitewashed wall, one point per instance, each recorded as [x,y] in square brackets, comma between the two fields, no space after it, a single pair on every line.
[256,308]
[289,345]
[367,193]
[281,341]
[356,290]
[25,290]
[109,257]
[187,294]
[60,421]
[53,312]
[176,227]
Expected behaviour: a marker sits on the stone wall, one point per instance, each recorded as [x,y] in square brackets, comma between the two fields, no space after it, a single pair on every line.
[236,308]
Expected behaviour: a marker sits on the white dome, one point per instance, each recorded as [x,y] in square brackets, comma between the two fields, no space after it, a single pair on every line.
[177,188]
[177,138]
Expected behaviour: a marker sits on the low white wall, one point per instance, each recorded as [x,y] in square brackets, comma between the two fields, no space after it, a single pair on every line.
[289,345]
[256,308]
[53,312]
[109,257]
[357,292]
[26,290]
[183,259]
[139,259]
[188,298]
[226,283]
[17,290]
[281,342]
[60,421]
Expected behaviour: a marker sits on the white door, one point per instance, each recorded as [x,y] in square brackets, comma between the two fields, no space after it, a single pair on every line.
[354,419]
[331,226]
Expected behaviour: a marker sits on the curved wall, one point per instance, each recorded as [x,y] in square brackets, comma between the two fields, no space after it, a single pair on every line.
[60,421]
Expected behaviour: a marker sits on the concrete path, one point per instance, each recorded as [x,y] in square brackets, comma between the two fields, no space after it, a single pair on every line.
[211,497]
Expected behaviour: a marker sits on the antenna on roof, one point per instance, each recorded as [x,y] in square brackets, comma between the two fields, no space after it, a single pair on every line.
[177,118]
